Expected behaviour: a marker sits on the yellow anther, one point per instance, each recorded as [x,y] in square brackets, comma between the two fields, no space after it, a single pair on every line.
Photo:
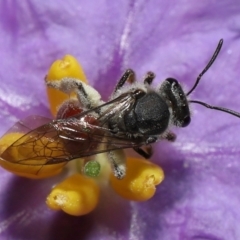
[67,67]
[139,183]
[29,171]
[77,195]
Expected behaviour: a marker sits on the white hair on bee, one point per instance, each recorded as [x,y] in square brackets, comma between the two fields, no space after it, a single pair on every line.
[85,93]
[130,87]
[118,163]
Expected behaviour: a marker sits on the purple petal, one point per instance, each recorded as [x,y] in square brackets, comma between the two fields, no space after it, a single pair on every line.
[199,199]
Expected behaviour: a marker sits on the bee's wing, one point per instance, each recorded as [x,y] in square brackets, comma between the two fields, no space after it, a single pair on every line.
[28,124]
[66,139]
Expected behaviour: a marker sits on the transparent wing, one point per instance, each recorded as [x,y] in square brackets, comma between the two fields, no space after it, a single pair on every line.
[66,139]
[28,124]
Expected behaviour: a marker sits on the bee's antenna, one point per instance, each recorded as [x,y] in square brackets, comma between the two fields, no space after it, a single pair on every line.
[236,114]
[213,58]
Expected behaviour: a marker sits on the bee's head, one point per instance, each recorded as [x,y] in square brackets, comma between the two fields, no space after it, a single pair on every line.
[171,91]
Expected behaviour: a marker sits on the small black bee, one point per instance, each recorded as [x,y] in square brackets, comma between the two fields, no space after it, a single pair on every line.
[135,117]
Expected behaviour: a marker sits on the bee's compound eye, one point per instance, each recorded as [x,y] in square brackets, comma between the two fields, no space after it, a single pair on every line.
[186,121]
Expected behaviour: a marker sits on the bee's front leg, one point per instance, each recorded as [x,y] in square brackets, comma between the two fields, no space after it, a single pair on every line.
[118,163]
[146,153]
[149,78]
[170,136]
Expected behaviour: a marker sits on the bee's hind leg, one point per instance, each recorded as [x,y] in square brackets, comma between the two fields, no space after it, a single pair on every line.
[87,95]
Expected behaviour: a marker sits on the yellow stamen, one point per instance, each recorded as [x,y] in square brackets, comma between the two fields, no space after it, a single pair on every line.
[77,195]
[140,181]
[29,171]
[67,67]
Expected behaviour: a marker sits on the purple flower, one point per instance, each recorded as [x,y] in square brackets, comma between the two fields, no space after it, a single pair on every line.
[199,198]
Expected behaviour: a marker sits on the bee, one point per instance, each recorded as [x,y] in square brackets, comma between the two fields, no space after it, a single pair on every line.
[136,116]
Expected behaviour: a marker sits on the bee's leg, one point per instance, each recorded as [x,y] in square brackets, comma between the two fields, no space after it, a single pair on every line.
[147,153]
[151,139]
[118,163]
[129,76]
[149,78]
[87,95]
[170,136]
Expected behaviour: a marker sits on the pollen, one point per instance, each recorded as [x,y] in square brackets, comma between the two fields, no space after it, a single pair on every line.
[140,182]
[24,170]
[66,67]
[77,195]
